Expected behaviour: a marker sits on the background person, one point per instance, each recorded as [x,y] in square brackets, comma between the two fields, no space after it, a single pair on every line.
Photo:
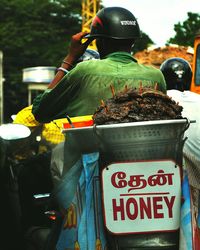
[178,76]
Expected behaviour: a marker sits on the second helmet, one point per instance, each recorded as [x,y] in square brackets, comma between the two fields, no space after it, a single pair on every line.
[177,72]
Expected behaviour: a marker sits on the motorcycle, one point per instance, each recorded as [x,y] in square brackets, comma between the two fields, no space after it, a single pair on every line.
[24,224]
[128,188]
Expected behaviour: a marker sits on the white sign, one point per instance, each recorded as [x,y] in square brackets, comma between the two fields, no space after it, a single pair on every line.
[141,196]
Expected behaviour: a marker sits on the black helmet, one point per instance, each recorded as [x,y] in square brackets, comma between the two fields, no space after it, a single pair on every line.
[177,72]
[89,54]
[116,23]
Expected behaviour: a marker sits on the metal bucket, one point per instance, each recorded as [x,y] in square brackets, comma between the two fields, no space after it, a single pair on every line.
[132,141]
[150,140]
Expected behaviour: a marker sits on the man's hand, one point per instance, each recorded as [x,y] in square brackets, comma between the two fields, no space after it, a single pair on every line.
[77,47]
[76,50]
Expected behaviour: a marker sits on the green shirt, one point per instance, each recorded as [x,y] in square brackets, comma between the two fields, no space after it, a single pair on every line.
[80,92]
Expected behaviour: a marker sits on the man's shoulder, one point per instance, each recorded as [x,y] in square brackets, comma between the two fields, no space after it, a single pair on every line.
[89,63]
[193,95]
[90,67]
[149,68]
[106,66]
[174,93]
[150,72]
[187,96]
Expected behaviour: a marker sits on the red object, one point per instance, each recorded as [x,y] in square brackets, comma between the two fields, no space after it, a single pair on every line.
[79,124]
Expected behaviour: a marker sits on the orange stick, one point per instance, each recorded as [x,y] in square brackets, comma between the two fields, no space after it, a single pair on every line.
[112,90]
[140,88]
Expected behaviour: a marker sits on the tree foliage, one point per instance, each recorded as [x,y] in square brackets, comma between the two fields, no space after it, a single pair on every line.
[36,33]
[33,33]
[186,31]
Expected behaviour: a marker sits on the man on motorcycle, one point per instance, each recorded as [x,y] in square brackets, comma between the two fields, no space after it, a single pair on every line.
[178,75]
[84,86]
[79,92]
